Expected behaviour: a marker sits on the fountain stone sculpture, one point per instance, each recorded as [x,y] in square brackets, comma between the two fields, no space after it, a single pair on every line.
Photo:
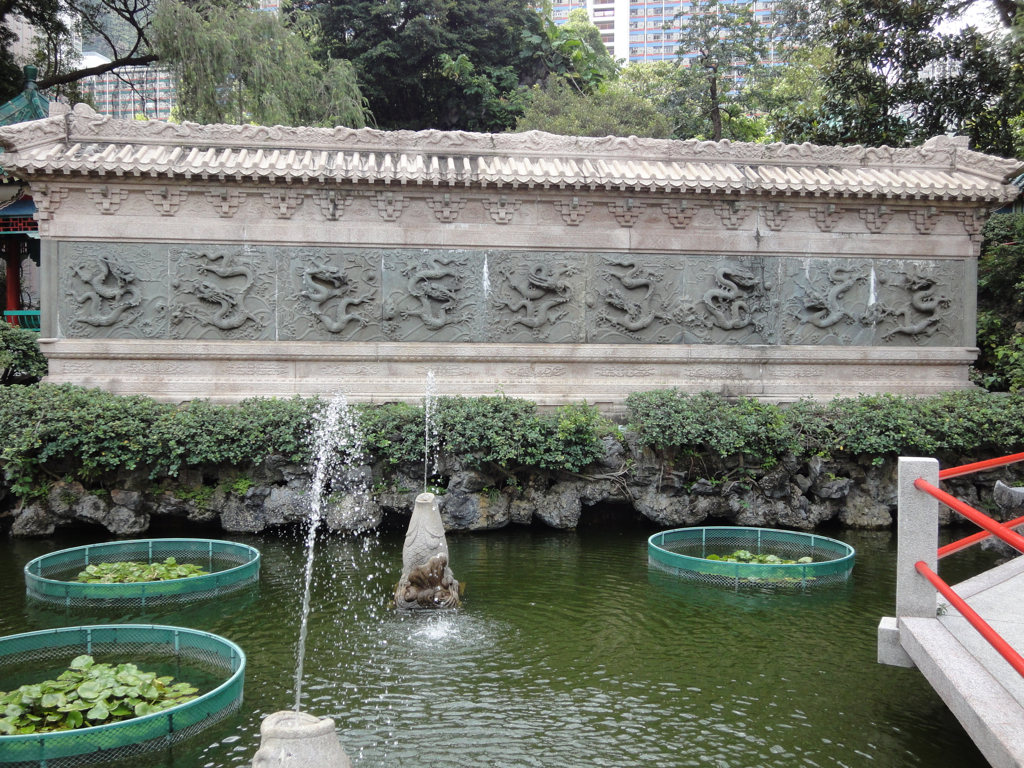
[298,740]
[427,581]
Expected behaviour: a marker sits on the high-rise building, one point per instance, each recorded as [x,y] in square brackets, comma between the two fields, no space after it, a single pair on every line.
[644,30]
[129,91]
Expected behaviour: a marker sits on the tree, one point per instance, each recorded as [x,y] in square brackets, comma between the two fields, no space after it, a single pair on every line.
[573,51]
[721,49]
[396,47]
[235,65]
[612,110]
[894,78]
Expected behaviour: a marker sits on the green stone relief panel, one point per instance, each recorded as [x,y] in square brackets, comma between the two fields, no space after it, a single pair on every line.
[405,294]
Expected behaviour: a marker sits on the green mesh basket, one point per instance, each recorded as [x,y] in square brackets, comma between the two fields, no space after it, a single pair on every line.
[683,552]
[215,665]
[231,566]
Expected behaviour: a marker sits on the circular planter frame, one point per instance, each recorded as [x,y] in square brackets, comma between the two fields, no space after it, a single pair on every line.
[232,566]
[188,649]
[684,551]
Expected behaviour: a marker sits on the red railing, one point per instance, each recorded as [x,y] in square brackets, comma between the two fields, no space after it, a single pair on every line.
[989,527]
[995,640]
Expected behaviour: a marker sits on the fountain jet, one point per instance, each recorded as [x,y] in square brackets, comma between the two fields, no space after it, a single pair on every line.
[427,581]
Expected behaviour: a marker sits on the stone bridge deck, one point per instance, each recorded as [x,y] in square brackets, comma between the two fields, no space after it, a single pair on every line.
[984,692]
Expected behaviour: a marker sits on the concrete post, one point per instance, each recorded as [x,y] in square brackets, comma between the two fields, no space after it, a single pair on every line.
[917,539]
[299,740]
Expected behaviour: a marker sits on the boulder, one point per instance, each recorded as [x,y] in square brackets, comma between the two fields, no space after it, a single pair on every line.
[561,506]
[461,511]
[34,520]
[353,514]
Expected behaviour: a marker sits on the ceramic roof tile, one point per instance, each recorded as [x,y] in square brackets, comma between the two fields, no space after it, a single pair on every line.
[944,167]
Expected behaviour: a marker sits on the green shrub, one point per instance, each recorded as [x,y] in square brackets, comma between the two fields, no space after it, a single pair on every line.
[1000,336]
[20,358]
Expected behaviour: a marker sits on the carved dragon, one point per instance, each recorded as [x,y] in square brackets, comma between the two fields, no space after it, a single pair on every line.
[826,308]
[541,281]
[120,292]
[922,300]
[727,303]
[231,313]
[322,284]
[423,285]
[636,277]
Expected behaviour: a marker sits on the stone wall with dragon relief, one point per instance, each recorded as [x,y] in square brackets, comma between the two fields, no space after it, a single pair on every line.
[300,293]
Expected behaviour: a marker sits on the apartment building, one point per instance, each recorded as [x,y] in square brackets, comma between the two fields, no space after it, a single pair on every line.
[644,30]
[129,91]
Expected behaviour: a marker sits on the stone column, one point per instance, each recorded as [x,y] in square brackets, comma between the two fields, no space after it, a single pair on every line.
[917,539]
[12,257]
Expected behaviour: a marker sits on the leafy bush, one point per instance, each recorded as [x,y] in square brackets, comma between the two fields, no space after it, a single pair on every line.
[20,358]
[960,423]
[89,694]
[1000,365]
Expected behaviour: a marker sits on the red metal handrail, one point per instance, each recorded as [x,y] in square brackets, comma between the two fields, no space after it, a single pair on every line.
[978,466]
[1002,647]
[1012,538]
[956,546]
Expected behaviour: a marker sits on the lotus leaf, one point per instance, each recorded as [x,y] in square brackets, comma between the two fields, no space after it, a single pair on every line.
[89,694]
[134,573]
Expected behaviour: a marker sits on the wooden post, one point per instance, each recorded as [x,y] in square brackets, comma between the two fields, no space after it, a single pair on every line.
[12,257]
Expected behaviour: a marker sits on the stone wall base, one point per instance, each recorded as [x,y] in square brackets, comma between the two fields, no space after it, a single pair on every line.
[550,374]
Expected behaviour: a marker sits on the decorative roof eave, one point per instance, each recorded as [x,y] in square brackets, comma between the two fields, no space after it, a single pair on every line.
[82,143]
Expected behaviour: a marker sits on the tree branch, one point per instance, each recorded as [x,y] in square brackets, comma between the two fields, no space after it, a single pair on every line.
[101,69]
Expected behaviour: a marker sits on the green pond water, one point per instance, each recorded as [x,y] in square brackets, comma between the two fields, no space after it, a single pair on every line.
[569,651]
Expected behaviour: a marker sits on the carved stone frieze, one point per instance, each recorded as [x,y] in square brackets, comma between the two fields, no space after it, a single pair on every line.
[112,291]
[535,370]
[446,207]
[222,291]
[680,212]
[166,200]
[732,212]
[536,297]
[329,293]
[332,202]
[777,214]
[390,205]
[925,219]
[435,295]
[107,199]
[502,209]
[283,202]
[303,293]
[225,202]
[573,211]
[826,216]
[627,211]
[876,217]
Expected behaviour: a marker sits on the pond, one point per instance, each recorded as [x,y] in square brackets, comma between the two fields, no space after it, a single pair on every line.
[569,651]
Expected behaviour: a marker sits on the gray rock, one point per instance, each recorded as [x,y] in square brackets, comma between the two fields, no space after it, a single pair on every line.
[34,520]
[703,487]
[1008,498]
[353,514]
[130,499]
[238,517]
[470,481]
[667,510]
[64,498]
[462,511]
[836,488]
[561,507]
[124,521]
[282,505]
[861,510]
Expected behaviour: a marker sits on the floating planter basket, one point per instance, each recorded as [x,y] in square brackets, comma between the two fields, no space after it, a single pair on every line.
[684,552]
[52,578]
[188,655]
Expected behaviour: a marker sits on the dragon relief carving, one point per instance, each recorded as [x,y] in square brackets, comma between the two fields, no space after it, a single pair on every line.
[639,312]
[108,290]
[323,285]
[434,286]
[917,317]
[728,303]
[226,299]
[539,293]
[825,307]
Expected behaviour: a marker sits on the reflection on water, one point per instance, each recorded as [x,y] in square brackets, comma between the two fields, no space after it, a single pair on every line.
[569,651]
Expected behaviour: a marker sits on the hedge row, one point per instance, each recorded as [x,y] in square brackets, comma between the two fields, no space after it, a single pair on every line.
[86,433]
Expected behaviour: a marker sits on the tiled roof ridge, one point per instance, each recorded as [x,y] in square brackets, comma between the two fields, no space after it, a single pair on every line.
[82,141]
